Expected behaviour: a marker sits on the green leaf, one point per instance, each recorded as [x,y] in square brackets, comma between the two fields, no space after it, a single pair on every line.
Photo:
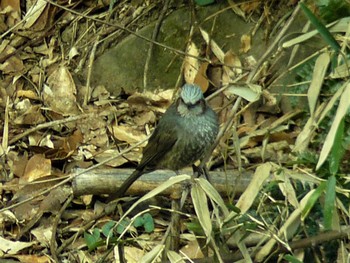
[326,35]
[195,227]
[204,2]
[329,205]
[292,259]
[122,225]
[337,151]
[139,221]
[92,240]
[312,200]
[148,223]
[200,203]
[107,229]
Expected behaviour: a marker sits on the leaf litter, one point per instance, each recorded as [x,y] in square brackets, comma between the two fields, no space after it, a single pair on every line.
[40,85]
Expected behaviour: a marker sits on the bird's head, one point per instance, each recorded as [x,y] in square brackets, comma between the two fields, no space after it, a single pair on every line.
[191,101]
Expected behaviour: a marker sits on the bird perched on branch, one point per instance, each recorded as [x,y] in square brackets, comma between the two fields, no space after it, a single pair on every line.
[184,134]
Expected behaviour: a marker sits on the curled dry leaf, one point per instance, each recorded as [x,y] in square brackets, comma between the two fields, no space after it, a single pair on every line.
[232,67]
[59,93]
[250,92]
[27,94]
[191,64]
[245,43]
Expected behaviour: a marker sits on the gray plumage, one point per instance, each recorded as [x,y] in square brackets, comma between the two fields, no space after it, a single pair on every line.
[183,135]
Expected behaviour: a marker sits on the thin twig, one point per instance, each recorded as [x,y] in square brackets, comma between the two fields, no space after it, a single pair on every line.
[273,45]
[5,134]
[50,124]
[53,248]
[88,78]
[127,30]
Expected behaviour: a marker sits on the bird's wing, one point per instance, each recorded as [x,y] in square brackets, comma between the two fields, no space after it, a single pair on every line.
[162,140]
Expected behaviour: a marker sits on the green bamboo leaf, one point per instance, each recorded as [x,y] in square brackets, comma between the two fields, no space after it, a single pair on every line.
[174,257]
[204,2]
[329,205]
[213,194]
[337,151]
[312,200]
[292,259]
[326,35]
[200,203]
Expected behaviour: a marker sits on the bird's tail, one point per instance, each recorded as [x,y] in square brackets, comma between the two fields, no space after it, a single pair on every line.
[125,185]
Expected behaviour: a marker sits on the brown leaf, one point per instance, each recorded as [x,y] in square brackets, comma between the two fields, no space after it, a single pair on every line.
[27,94]
[191,64]
[145,118]
[38,166]
[232,68]
[162,99]
[201,78]
[59,93]
[245,43]
[128,134]
[133,156]
[32,116]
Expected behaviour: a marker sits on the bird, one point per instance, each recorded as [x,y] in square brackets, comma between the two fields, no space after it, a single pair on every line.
[184,134]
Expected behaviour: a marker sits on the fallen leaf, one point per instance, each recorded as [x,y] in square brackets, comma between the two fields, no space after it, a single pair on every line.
[12,247]
[38,166]
[245,43]
[201,78]
[191,64]
[127,134]
[59,93]
[232,67]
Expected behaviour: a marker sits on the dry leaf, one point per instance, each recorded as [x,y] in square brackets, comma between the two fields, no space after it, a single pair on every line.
[145,118]
[232,67]
[201,78]
[59,93]
[128,134]
[38,166]
[34,13]
[133,156]
[213,46]
[245,43]
[27,94]
[249,92]
[191,64]
[261,174]
[32,116]
[12,247]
